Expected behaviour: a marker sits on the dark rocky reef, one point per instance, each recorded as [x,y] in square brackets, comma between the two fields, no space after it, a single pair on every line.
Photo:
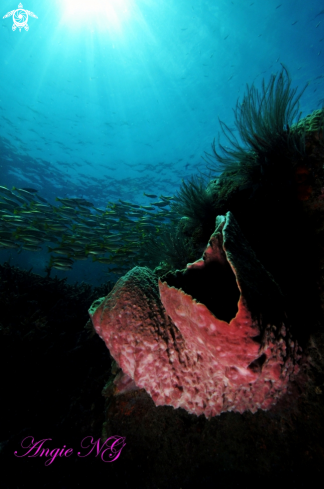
[52,370]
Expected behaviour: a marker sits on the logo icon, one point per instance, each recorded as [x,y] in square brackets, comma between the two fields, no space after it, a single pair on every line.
[20,18]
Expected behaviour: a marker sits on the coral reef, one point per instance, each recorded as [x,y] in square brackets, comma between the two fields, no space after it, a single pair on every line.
[185,356]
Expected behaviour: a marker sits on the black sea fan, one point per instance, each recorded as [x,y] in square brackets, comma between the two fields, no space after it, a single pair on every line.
[176,248]
[170,246]
[263,120]
[196,202]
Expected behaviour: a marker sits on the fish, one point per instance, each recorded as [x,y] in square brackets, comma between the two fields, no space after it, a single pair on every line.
[14,199]
[43,207]
[145,224]
[151,196]
[65,208]
[148,207]
[102,259]
[161,203]
[129,204]
[80,256]
[164,197]
[5,243]
[25,233]
[83,202]
[67,202]
[29,212]
[61,267]
[89,222]
[23,193]
[113,237]
[56,227]
[118,271]
[319,13]
[77,248]
[30,240]
[61,250]
[138,213]
[95,252]
[30,190]
[61,261]
[77,202]
[30,247]
[5,191]
[41,199]
[11,217]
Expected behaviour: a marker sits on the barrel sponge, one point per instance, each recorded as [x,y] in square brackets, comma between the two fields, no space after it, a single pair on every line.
[179,351]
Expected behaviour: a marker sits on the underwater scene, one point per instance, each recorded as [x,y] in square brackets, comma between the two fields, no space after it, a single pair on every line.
[161,243]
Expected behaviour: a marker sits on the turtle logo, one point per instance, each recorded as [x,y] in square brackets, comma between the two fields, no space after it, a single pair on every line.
[20,18]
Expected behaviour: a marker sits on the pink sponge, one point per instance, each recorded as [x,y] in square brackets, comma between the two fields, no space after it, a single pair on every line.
[182,354]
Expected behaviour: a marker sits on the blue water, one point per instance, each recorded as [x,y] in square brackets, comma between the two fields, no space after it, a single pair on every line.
[107,99]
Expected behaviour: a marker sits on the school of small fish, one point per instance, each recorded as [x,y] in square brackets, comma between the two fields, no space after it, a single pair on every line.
[76,230]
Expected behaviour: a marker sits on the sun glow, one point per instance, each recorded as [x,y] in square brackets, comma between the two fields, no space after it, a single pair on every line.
[105,12]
